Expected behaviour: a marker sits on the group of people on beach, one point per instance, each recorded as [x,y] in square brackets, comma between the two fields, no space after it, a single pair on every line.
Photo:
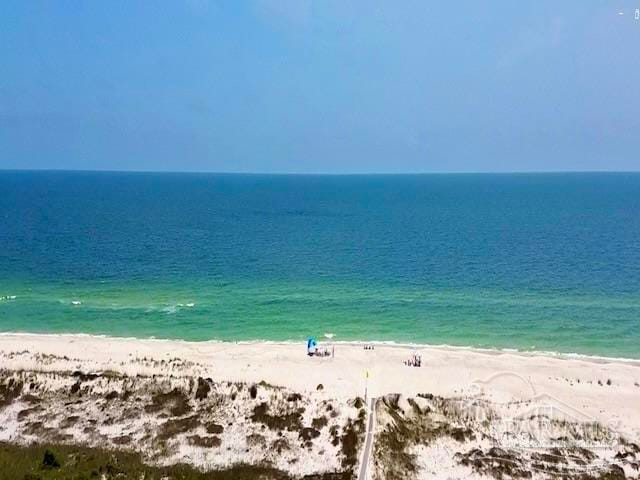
[414,361]
[323,352]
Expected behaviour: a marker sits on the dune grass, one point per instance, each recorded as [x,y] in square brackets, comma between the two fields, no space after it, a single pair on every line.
[53,462]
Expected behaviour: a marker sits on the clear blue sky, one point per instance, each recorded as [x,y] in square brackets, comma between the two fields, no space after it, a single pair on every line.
[320,86]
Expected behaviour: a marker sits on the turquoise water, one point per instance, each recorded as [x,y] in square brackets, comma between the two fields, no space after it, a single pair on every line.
[534,262]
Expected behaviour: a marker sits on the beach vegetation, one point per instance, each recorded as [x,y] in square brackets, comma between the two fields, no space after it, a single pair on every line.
[214,428]
[84,377]
[71,462]
[49,460]
[351,439]
[319,422]
[286,421]
[69,421]
[294,397]
[205,442]
[53,462]
[173,427]
[122,440]
[171,419]
[253,392]
[203,389]
[406,425]
[31,399]
[511,464]
[112,395]
[409,422]
[111,374]
[23,414]
[308,434]
[495,462]
[280,445]
[175,402]
[255,439]
[10,389]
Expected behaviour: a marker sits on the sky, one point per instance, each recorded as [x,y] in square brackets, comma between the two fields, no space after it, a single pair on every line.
[320,86]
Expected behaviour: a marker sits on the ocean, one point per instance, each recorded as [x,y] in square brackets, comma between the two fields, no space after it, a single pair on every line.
[533,262]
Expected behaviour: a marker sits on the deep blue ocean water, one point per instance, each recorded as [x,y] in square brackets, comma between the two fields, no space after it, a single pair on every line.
[528,261]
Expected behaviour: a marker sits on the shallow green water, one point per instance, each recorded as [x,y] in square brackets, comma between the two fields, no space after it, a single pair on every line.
[542,262]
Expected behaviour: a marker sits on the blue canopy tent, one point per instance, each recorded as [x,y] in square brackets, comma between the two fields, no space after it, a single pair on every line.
[311,345]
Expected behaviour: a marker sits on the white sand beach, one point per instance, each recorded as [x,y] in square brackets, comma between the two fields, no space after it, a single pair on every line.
[582,390]
[606,390]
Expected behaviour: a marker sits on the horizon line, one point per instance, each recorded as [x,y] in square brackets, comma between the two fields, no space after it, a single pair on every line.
[336,174]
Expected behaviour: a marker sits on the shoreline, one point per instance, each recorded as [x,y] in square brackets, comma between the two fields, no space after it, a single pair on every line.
[446,371]
[598,359]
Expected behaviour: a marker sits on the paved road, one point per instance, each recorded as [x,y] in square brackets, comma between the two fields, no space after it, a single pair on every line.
[367,443]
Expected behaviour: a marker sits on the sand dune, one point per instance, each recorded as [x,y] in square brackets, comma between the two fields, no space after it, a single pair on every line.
[473,400]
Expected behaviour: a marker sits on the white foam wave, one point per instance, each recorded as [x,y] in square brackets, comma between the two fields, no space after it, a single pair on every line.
[8,297]
[171,309]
